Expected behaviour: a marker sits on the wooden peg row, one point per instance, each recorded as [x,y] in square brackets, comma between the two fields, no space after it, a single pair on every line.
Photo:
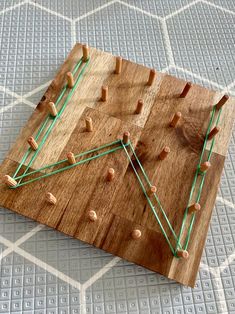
[85,53]
[70,79]
[92,215]
[51,198]
[177,116]
[9,181]
[89,124]
[222,102]
[152,189]
[205,166]
[104,93]
[33,144]
[126,137]
[166,150]
[186,90]
[194,208]
[213,132]
[152,75]
[71,158]
[118,68]
[139,107]
[110,174]
[183,253]
[136,234]
[52,109]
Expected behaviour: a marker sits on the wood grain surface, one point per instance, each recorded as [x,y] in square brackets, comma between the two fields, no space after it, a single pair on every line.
[120,204]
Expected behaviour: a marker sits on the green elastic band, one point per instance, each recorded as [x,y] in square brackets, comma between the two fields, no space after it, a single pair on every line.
[202,176]
[56,118]
[68,167]
[149,201]
[48,118]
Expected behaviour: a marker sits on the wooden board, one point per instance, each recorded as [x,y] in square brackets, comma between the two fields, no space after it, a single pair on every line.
[121,205]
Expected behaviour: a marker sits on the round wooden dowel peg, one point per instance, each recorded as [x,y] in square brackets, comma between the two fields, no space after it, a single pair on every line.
[139,107]
[166,150]
[33,144]
[50,198]
[152,189]
[152,75]
[194,208]
[70,79]
[175,119]
[183,253]
[126,137]
[222,102]
[110,174]
[104,93]
[85,53]
[136,234]
[89,124]
[186,89]
[52,109]
[205,166]
[118,68]
[71,158]
[213,132]
[9,181]
[92,215]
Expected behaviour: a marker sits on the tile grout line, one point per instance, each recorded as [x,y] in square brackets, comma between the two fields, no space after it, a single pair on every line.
[41,7]
[13,7]
[155,16]
[169,16]
[93,279]
[21,240]
[94,11]
[218,7]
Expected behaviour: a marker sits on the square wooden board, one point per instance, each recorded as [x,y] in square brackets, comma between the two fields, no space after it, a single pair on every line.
[120,204]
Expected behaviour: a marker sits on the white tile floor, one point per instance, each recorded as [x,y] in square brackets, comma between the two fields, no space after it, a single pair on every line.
[42,271]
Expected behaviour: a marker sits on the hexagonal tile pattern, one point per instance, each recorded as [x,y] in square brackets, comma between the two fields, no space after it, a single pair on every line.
[74,8]
[199,49]
[27,288]
[128,33]
[34,41]
[11,122]
[32,47]
[76,259]
[159,7]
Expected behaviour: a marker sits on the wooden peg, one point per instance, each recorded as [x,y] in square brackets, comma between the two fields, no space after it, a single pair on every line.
[222,102]
[175,119]
[9,181]
[186,89]
[92,215]
[70,79]
[139,107]
[136,234]
[183,253]
[194,208]
[52,109]
[152,75]
[104,93]
[152,189]
[110,174]
[213,132]
[166,150]
[126,137]
[85,52]
[89,125]
[205,166]
[50,198]
[71,158]
[33,144]
[118,68]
